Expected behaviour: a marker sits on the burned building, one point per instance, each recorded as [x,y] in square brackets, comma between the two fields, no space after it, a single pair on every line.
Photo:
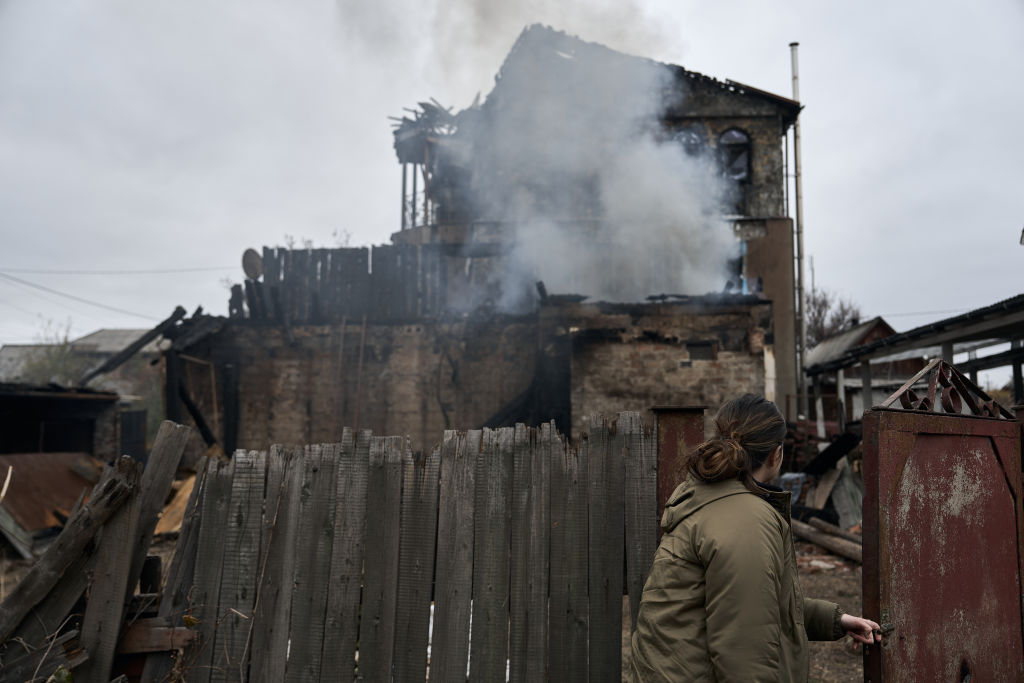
[601,233]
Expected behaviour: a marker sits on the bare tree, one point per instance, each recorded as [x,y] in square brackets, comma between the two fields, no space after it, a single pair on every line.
[828,314]
[54,359]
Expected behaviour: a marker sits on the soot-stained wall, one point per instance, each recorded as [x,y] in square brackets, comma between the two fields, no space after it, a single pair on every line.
[419,378]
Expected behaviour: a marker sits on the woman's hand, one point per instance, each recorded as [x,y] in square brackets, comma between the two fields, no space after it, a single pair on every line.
[860,629]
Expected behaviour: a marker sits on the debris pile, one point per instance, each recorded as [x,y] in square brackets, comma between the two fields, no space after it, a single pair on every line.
[70,610]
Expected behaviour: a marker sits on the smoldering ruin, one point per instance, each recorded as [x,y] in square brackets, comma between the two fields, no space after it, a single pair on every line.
[600,232]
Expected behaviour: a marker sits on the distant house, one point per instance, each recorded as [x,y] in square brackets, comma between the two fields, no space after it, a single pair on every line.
[839,394]
[136,384]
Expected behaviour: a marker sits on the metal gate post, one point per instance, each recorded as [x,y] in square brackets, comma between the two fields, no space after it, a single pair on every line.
[680,429]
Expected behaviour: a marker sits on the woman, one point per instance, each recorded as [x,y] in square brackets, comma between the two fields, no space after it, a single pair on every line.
[723,601]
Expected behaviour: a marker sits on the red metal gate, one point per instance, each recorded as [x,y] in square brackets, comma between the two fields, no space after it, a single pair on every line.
[942,524]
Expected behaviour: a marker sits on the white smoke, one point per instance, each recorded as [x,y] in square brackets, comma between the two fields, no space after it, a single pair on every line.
[606,201]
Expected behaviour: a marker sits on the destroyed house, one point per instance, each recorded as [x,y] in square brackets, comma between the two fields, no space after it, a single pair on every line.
[649,265]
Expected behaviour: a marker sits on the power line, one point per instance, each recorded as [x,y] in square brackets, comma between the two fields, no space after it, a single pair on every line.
[145,271]
[74,298]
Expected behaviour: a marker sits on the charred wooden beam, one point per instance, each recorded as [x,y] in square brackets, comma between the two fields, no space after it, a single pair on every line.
[127,352]
[197,416]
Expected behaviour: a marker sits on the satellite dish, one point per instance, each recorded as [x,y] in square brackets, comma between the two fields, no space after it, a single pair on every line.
[252,264]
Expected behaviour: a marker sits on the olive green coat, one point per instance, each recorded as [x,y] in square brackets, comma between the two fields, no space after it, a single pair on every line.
[723,601]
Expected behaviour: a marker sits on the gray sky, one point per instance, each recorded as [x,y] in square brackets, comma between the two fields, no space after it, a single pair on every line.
[173,135]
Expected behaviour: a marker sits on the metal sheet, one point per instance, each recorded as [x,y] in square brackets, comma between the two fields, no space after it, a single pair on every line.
[942,571]
[680,429]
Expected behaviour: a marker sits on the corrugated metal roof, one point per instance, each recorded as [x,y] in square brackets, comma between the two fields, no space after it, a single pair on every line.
[837,345]
[42,483]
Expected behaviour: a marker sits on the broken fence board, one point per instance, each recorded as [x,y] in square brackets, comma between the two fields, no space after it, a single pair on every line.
[312,562]
[109,495]
[416,564]
[216,498]
[449,652]
[178,583]
[568,620]
[110,584]
[641,507]
[241,538]
[377,625]
[606,550]
[491,546]
[154,487]
[344,587]
[274,593]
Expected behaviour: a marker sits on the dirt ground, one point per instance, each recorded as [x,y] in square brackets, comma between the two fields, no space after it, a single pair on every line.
[824,576]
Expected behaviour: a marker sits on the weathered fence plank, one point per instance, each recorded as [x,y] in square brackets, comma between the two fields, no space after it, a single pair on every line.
[641,506]
[568,619]
[377,625]
[528,636]
[104,611]
[449,652]
[272,612]
[178,583]
[606,550]
[491,547]
[239,577]
[312,562]
[343,590]
[416,564]
[209,558]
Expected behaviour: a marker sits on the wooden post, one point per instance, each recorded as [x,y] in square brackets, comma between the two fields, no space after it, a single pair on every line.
[841,399]
[819,407]
[947,352]
[865,388]
[1018,377]
[172,400]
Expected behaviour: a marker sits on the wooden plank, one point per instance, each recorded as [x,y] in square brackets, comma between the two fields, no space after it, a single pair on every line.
[539,552]
[104,611]
[216,497]
[530,537]
[177,587]
[416,564]
[154,487]
[449,652]
[272,612]
[341,626]
[312,562]
[491,547]
[40,664]
[241,538]
[606,550]
[839,546]
[377,626]
[568,620]
[641,506]
[174,512]
[107,497]
[155,634]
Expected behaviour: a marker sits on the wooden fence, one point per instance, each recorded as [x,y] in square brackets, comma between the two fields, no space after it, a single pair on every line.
[502,553]
[318,286]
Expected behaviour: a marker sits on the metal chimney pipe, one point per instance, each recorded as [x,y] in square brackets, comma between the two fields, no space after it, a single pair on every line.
[800,294]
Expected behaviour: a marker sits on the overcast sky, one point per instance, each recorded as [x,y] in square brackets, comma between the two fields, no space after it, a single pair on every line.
[174,135]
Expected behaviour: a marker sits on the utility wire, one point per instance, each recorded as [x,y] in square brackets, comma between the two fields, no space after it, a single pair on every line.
[73,297]
[149,271]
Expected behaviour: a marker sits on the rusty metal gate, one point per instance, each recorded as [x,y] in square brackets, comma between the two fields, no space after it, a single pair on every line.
[942,524]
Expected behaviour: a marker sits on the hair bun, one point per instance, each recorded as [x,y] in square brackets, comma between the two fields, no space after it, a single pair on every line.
[719,459]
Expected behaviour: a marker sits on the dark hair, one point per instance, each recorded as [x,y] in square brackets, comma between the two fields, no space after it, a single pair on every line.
[748,430]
